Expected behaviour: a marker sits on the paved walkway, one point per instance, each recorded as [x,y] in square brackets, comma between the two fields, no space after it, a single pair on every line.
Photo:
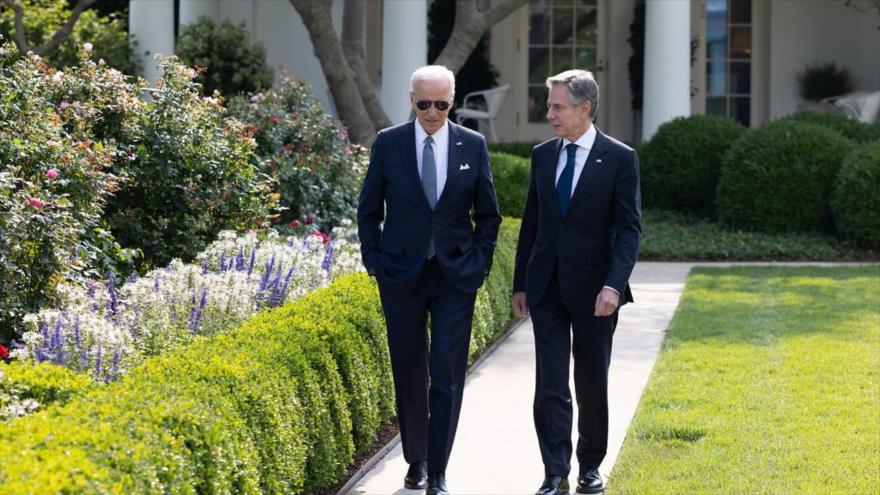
[496,450]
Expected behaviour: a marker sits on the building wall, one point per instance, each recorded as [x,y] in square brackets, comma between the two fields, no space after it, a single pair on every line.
[816,31]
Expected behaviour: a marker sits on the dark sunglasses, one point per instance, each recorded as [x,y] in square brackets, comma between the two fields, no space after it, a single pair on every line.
[441,105]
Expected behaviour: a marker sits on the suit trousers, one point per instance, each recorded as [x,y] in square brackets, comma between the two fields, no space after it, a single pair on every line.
[429,374]
[559,333]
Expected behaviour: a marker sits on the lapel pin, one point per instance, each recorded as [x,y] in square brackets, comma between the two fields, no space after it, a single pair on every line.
[464,167]
[458,143]
[598,160]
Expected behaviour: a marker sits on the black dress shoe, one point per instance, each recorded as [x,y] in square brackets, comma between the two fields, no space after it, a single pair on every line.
[554,485]
[416,476]
[437,484]
[590,482]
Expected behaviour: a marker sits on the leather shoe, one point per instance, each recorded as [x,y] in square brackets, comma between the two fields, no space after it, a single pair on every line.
[416,476]
[554,485]
[590,482]
[437,484]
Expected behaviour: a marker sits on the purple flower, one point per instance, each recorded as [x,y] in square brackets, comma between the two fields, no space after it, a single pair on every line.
[113,304]
[205,267]
[239,260]
[251,262]
[328,258]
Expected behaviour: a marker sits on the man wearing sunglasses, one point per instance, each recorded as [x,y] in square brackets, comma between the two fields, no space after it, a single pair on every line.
[429,181]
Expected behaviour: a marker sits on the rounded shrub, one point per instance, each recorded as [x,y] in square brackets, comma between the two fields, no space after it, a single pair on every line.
[225,58]
[511,176]
[681,163]
[778,177]
[859,132]
[856,198]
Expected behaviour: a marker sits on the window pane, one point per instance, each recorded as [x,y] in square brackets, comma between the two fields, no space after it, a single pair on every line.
[537,103]
[741,11]
[740,78]
[557,3]
[740,42]
[716,78]
[716,41]
[591,3]
[562,59]
[586,26]
[586,59]
[539,65]
[716,105]
[563,27]
[539,24]
[740,111]
[716,11]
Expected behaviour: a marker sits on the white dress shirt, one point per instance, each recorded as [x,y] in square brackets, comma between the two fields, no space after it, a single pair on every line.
[441,152]
[584,145]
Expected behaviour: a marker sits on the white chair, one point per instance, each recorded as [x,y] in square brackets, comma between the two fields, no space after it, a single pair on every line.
[494,99]
[864,107]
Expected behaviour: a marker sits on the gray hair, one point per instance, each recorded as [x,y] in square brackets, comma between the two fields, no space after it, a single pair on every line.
[433,73]
[582,87]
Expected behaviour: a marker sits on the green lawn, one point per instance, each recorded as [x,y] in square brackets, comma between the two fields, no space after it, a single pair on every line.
[768,382]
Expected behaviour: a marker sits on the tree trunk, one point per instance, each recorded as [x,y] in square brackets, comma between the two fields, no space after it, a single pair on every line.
[316,16]
[353,47]
[470,25]
[56,39]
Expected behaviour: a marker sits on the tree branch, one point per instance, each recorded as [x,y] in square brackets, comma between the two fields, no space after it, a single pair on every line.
[65,30]
[20,40]
[470,25]
[353,47]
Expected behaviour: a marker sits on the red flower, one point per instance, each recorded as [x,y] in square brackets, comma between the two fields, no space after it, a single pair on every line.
[36,203]
[322,236]
[276,120]
[52,173]
[294,224]
[4,352]
[310,219]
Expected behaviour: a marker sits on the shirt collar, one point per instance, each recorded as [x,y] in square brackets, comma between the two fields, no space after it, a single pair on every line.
[587,139]
[441,137]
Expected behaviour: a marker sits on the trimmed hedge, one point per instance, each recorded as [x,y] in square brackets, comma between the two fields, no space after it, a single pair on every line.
[856,199]
[511,177]
[859,132]
[682,161]
[522,149]
[778,177]
[279,405]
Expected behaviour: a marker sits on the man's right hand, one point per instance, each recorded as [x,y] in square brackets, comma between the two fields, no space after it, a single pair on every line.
[520,309]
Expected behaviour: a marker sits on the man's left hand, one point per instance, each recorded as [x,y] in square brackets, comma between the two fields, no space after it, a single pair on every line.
[606,302]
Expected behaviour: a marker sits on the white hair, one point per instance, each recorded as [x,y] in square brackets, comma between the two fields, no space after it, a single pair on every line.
[433,73]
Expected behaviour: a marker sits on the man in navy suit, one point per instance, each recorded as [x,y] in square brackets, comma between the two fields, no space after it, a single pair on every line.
[578,244]
[429,180]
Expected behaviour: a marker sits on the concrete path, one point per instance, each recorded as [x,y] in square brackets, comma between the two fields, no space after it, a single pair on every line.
[496,450]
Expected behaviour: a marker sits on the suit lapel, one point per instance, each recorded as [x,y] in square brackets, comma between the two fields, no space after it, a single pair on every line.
[411,162]
[591,168]
[549,176]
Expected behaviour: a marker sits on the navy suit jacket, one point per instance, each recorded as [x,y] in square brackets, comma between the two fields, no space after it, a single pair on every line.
[596,242]
[464,222]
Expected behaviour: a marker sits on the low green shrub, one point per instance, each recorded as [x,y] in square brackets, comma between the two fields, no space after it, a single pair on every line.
[859,132]
[856,199]
[778,177]
[521,149]
[511,176]
[681,162]
[278,405]
[225,57]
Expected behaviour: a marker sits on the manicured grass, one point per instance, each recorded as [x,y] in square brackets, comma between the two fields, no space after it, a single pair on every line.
[674,236]
[768,382]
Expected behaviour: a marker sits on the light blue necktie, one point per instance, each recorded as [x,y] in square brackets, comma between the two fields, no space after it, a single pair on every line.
[563,187]
[429,182]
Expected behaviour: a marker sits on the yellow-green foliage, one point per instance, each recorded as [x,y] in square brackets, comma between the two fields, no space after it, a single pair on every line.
[278,405]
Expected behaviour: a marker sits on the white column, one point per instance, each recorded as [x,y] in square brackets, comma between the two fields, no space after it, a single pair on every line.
[192,10]
[151,22]
[667,83]
[404,49]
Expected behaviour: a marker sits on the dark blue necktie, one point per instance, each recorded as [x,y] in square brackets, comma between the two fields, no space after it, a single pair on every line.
[563,186]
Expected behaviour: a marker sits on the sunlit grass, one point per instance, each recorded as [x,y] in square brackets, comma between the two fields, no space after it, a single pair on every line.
[768,382]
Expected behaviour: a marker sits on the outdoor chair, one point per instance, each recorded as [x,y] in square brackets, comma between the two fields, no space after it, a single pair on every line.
[493,98]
